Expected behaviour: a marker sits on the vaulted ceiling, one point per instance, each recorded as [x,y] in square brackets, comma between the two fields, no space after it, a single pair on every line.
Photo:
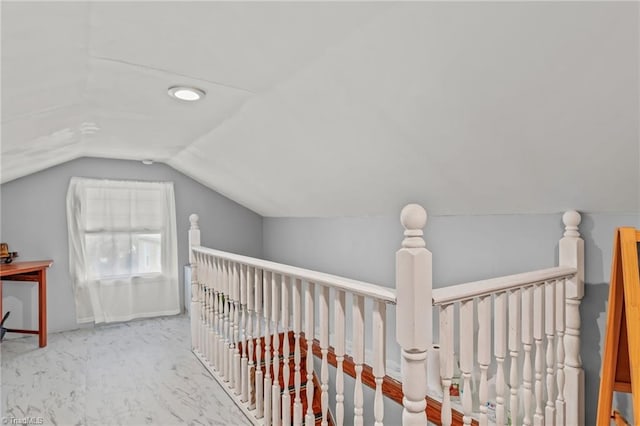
[321,109]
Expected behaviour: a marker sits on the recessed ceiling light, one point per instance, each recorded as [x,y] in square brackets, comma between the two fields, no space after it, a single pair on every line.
[147,162]
[184,93]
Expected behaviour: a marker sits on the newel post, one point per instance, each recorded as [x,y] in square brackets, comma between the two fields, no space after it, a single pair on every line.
[413,313]
[571,253]
[194,240]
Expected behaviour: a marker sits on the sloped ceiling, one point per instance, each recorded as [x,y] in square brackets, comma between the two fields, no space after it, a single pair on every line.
[323,109]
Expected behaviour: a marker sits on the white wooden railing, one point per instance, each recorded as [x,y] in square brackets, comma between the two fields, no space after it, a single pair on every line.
[535,335]
[237,299]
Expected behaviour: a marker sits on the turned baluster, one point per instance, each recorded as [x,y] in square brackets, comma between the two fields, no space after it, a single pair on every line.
[214,315]
[500,352]
[259,382]
[466,357]
[339,311]
[204,293]
[202,345]
[237,384]
[213,336]
[208,307]
[194,241]
[230,347]
[484,354]
[275,315]
[560,402]
[221,320]
[324,350]
[538,318]
[527,341]
[212,309]
[266,293]
[515,326]
[447,360]
[550,329]
[234,350]
[203,304]
[358,358]
[215,272]
[379,357]
[244,362]
[286,352]
[297,357]
[309,297]
[225,326]
[251,367]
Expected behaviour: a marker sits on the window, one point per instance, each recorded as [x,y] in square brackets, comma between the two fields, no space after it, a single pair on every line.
[122,248]
[123,254]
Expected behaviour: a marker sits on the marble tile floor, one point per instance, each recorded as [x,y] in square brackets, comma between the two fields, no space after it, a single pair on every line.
[135,373]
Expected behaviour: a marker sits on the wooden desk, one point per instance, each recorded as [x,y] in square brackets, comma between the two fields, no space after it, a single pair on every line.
[31,272]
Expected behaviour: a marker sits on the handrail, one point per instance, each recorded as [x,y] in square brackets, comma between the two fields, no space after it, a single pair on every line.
[385,294]
[470,290]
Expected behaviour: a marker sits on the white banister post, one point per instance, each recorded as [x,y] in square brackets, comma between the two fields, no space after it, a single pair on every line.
[571,253]
[194,240]
[413,313]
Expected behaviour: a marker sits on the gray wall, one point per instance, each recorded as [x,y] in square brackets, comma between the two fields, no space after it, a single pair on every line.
[34,223]
[465,248]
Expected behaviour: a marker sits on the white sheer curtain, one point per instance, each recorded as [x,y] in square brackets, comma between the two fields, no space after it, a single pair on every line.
[123,254]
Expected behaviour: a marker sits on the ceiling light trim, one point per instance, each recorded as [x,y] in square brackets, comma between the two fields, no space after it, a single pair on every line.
[186,93]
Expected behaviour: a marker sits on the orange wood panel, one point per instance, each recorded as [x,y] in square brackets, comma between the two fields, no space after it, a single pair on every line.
[42,307]
[30,271]
[621,358]
[631,279]
[612,336]
[21,268]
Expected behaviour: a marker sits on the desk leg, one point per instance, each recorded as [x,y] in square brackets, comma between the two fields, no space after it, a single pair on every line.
[42,308]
